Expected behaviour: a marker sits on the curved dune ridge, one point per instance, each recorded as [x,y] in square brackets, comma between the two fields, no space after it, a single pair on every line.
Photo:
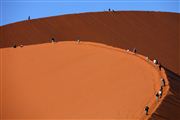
[153,34]
[77,80]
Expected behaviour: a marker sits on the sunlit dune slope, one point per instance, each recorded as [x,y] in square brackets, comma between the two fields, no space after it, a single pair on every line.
[80,81]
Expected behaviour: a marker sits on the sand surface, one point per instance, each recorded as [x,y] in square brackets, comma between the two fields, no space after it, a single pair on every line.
[154,34]
[67,80]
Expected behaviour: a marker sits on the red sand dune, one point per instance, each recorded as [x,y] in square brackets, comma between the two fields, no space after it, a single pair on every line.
[153,34]
[70,80]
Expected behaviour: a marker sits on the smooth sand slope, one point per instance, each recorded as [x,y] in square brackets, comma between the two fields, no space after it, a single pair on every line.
[80,81]
[154,34]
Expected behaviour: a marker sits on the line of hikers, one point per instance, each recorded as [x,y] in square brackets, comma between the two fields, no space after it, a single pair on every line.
[159,93]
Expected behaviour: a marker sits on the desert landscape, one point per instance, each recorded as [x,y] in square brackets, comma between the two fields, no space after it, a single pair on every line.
[82,66]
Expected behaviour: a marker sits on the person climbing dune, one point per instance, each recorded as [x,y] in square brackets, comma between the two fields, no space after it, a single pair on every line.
[160,93]
[162,82]
[29,17]
[134,50]
[157,96]
[14,46]
[146,109]
[155,62]
[52,40]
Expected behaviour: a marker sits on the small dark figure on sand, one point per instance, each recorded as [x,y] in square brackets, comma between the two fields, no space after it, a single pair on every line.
[29,18]
[134,50]
[146,110]
[160,92]
[52,40]
[160,66]
[157,96]
[162,82]
[155,62]
[14,46]
[109,9]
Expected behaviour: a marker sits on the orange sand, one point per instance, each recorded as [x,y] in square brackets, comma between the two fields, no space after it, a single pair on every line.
[81,81]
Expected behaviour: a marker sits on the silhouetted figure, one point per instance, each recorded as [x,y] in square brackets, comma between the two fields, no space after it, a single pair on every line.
[155,61]
[157,96]
[147,59]
[161,89]
[14,46]
[146,110]
[162,82]
[78,41]
[29,18]
[160,93]
[109,9]
[134,50]
[52,40]
[160,66]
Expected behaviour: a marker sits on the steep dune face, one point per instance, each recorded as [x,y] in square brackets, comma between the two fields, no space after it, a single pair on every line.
[170,106]
[153,34]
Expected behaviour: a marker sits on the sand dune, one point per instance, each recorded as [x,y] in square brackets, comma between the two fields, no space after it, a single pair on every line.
[159,31]
[153,34]
[80,81]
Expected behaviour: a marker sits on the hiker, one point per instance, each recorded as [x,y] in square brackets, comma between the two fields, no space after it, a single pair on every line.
[160,66]
[78,41]
[161,89]
[134,50]
[14,46]
[157,96]
[52,40]
[162,82]
[155,61]
[160,93]
[29,18]
[109,9]
[146,110]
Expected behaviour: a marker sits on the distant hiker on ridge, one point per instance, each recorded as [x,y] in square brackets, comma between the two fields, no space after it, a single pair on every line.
[162,82]
[29,18]
[160,66]
[78,41]
[157,96]
[155,61]
[160,93]
[14,46]
[134,50]
[146,110]
[109,9]
[52,40]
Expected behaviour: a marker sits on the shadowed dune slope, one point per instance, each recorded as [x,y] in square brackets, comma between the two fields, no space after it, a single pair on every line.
[154,34]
